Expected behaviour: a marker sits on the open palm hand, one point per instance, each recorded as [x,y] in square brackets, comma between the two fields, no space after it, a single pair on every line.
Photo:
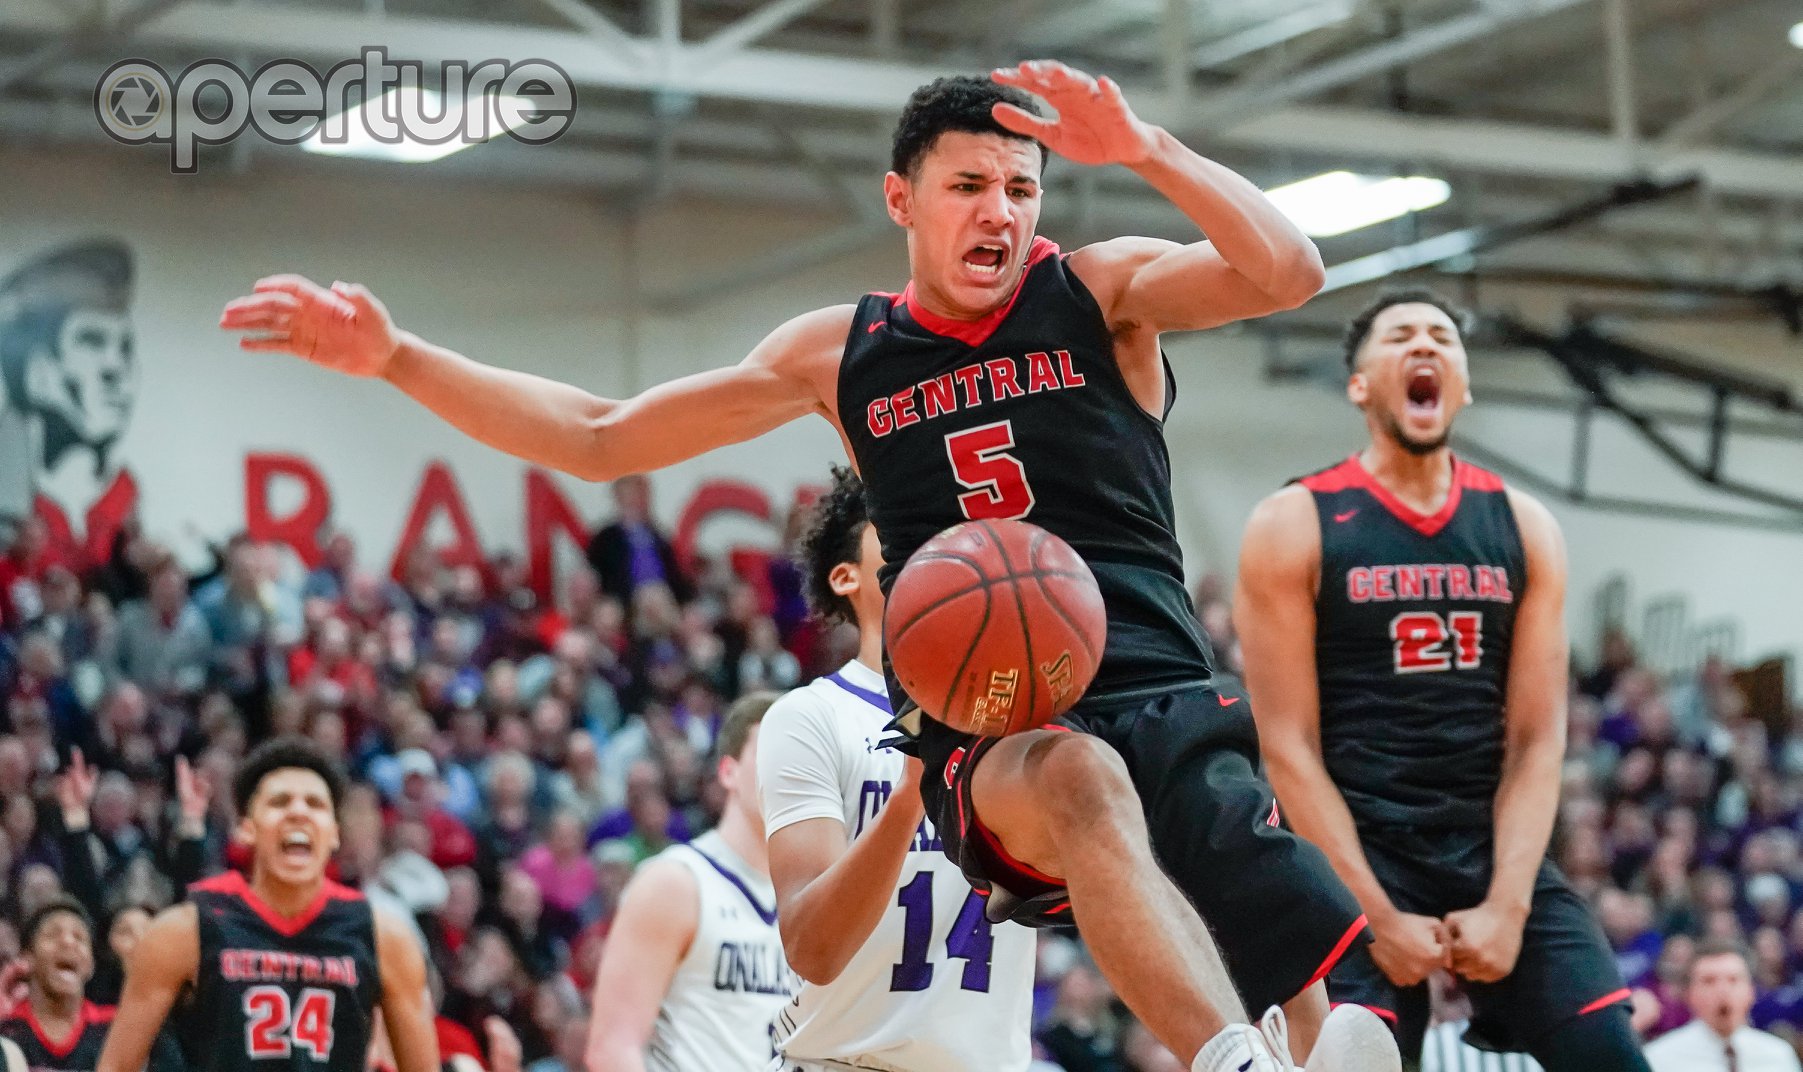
[1094,125]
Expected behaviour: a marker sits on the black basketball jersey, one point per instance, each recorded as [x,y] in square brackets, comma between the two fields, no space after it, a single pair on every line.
[78,1051]
[1414,620]
[1025,414]
[282,993]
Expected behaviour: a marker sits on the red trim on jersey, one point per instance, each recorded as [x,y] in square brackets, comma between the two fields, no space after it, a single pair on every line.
[89,1013]
[975,332]
[1624,994]
[1384,1013]
[233,883]
[1351,473]
[1339,950]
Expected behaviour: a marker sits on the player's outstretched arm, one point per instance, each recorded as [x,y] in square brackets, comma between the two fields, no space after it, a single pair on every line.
[545,422]
[166,959]
[1254,261]
[659,912]
[406,1000]
[1487,939]
[1274,615]
[831,889]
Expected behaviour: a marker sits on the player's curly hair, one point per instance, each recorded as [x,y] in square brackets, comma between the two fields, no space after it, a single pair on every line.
[62,902]
[833,534]
[1360,328]
[281,753]
[960,103]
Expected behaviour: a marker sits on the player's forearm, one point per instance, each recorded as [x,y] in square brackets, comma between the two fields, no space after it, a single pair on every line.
[1254,238]
[826,923]
[1527,799]
[1316,811]
[540,420]
[615,1052]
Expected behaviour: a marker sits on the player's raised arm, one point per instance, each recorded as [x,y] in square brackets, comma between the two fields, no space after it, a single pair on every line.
[165,960]
[1487,939]
[1274,614]
[406,1000]
[1254,261]
[346,329]
[659,912]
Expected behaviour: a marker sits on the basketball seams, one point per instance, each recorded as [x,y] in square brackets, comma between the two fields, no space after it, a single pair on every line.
[977,585]
[1020,610]
[976,639]
[1057,605]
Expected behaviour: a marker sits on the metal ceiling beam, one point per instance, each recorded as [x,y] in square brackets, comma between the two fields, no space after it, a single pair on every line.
[1376,59]
[84,32]
[600,27]
[1269,34]
[1472,240]
[1780,74]
[869,86]
[767,19]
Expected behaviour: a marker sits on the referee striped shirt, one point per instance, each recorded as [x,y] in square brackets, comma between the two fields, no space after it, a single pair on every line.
[1445,1050]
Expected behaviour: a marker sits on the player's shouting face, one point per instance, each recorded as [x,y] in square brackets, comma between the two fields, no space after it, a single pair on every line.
[291,825]
[971,206]
[62,956]
[1411,375]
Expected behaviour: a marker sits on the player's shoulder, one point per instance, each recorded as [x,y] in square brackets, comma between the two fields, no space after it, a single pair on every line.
[1108,266]
[665,892]
[813,332]
[1283,529]
[809,705]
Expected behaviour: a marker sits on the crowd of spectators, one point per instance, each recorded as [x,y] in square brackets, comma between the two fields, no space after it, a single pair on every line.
[515,755]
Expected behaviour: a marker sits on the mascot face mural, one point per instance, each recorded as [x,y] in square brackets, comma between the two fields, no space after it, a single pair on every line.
[68,385]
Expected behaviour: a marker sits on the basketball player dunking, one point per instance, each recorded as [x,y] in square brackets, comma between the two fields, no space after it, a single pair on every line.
[1402,617]
[693,971]
[286,970]
[902,969]
[1008,380]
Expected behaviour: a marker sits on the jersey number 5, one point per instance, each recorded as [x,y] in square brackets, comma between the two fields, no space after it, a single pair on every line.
[273,1026]
[997,479]
[1421,637]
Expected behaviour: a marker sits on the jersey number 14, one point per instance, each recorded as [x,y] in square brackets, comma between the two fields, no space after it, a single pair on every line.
[970,939]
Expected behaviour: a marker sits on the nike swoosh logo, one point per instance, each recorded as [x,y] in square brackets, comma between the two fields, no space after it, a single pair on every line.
[1247,1065]
[872,329]
[1345,517]
[1228,701]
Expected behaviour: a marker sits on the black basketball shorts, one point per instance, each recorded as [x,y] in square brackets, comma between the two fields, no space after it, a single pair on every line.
[1565,968]
[1281,917]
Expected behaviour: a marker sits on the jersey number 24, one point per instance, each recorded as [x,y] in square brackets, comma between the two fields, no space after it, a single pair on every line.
[274,1023]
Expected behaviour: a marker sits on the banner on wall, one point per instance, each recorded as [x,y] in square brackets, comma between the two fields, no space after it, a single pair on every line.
[69,375]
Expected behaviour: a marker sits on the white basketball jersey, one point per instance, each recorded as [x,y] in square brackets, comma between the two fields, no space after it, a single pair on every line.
[717,1015]
[936,988]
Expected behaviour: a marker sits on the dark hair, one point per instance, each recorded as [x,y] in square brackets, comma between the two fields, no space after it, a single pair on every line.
[279,754]
[741,718]
[1360,327]
[1718,947]
[62,902]
[961,103]
[833,535]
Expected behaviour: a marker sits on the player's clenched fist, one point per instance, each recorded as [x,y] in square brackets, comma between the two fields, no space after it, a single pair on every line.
[344,328]
[1408,947]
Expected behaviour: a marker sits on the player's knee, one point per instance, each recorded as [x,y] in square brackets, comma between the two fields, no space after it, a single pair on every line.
[1079,780]
[1601,1039]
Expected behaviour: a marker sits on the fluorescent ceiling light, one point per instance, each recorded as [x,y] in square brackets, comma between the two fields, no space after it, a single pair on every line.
[1340,201]
[416,108]
[1796,35]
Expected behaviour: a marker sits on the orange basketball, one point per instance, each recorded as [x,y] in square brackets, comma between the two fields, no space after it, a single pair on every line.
[994,627]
